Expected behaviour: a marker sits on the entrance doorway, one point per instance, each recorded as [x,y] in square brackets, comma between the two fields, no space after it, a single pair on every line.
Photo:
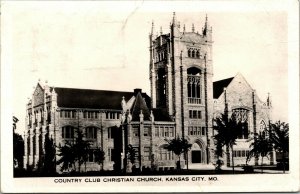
[196,156]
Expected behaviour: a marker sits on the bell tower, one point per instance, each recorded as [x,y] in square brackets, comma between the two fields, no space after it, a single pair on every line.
[181,73]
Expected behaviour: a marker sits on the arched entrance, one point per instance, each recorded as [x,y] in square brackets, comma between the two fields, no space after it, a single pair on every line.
[197,154]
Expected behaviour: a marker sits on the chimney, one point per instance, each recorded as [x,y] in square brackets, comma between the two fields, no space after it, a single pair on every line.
[136,91]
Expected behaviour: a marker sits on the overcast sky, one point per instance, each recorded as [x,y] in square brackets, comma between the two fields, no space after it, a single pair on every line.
[100,46]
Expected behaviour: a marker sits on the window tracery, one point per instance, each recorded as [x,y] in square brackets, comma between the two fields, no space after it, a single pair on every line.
[194,85]
[194,53]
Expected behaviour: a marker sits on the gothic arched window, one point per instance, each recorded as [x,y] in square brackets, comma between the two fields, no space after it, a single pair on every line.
[161,87]
[263,129]
[189,53]
[241,117]
[194,85]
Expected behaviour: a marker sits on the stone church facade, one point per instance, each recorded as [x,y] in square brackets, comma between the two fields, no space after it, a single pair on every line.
[184,100]
[240,100]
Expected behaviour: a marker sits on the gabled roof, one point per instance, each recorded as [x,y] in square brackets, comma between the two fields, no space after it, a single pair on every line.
[139,105]
[93,99]
[218,86]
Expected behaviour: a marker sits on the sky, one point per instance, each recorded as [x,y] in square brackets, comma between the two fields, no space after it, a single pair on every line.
[99,45]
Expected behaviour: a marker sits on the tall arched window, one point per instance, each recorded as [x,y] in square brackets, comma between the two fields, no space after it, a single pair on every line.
[241,117]
[189,53]
[161,87]
[194,85]
[263,129]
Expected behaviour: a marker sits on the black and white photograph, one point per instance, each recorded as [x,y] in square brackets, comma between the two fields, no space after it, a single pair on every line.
[160,96]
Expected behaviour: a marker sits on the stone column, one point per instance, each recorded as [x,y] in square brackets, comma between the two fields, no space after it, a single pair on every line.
[31,147]
[25,157]
[37,148]
[169,88]
[152,133]
[140,139]
[43,133]
[153,86]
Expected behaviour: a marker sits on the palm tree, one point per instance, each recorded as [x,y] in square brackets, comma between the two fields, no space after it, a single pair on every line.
[261,146]
[280,138]
[227,133]
[178,146]
[99,156]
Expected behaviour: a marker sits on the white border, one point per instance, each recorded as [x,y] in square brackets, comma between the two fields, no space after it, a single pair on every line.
[249,183]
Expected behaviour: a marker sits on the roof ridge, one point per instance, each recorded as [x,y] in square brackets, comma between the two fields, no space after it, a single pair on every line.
[90,89]
[142,105]
[224,79]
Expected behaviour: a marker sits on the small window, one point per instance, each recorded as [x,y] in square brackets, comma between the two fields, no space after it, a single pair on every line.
[135,132]
[67,132]
[91,155]
[146,131]
[156,131]
[199,131]
[199,115]
[146,153]
[111,154]
[198,54]
[203,131]
[171,131]
[194,114]
[111,133]
[193,54]
[91,132]
[162,131]
[189,53]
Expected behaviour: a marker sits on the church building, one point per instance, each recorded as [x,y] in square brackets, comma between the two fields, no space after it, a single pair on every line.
[183,102]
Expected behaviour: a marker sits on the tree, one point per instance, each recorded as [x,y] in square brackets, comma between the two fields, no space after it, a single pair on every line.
[260,147]
[18,150]
[81,149]
[72,153]
[67,157]
[178,146]
[228,131]
[18,146]
[99,156]
[218,151]
[49,157]
[131,155]
[279,137]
